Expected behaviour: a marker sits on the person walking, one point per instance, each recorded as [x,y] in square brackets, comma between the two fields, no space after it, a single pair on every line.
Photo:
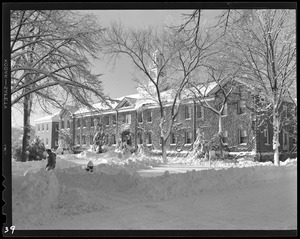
[51,160]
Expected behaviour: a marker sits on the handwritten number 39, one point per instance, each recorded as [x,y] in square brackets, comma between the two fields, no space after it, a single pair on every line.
[12,228]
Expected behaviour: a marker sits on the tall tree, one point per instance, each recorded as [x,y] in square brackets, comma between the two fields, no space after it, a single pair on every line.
[165,61]
[220,84]
[263,44]
[50,53]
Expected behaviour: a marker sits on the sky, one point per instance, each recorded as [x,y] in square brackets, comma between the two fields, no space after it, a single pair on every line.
[118,81]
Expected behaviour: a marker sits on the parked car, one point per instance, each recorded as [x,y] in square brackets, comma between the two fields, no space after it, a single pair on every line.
[77,149]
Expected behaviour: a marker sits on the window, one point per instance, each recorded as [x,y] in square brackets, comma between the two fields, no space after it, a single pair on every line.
[38,127]
[140,117]
[83,139]
[200,112]
[172,138]
[125,104]
[78,123]
[43,141]
[91,139]
[149,138]
[56,143]
[57,126]
[267,136]
[42,127]
[62,124]
[285,111]
[285,139]
[113,139]
[47,128]
[242,136]
[78,139]
[188,137]
[241,107]
[188,112]
[150,116]
[84,123]
[68,124]
[106,120]
[92,122]
[225,137]
[46,141]
[140,138]
[225,110]
[128,118]
[114,119]
[106,139]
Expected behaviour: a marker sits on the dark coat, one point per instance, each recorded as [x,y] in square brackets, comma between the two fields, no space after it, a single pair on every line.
[51,159]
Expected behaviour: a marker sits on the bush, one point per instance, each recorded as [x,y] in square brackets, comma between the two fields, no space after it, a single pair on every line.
[17,153]
[36,151]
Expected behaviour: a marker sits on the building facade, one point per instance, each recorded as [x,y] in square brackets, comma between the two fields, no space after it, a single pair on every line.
[46,129]
[136,119]
[127,119]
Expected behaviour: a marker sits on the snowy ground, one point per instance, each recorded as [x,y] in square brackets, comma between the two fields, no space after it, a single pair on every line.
[140,193]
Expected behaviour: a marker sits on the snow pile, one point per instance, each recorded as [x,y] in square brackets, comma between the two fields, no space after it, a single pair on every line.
[40,196]
[289,162]
[21,168]
[194,182]
[104,178]
[73,201]
[130,161]
[33,195]
[241,162]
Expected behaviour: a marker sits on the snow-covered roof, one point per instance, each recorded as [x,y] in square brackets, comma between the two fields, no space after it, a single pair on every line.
[133,96]
[143,98]
[101,106]
[49,118]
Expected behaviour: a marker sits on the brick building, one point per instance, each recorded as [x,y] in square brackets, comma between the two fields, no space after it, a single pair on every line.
[137,118]
[46,129]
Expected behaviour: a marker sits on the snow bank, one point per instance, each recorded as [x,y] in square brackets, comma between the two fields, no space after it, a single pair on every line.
[41,196]
[289,162]
[22,168]
[194,182]
[105,178]
[33,195]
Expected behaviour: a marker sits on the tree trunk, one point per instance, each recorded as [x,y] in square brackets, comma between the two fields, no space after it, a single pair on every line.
[276,138]
[163,148]
[164,151]
[196,145]
[26,132]
[220,135]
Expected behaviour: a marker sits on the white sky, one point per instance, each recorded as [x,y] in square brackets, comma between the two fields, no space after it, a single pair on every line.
[118,82]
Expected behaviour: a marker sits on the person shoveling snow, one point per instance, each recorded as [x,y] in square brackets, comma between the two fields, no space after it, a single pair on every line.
[90,166]
[51,160]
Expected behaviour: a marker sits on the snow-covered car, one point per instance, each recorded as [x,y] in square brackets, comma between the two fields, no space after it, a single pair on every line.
[77,149]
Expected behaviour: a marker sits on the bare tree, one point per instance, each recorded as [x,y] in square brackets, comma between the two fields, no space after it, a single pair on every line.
[264,46]
[165,62]
[220,84]
[50,53]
